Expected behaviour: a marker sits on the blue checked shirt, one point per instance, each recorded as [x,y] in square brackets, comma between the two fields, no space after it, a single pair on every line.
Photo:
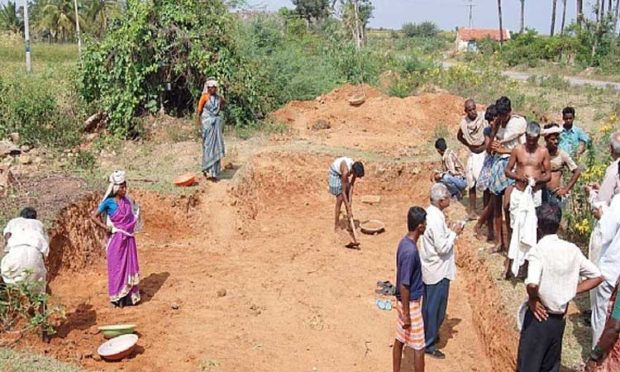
[569,139]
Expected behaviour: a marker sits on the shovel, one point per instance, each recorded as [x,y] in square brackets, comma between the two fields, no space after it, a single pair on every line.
[352,223]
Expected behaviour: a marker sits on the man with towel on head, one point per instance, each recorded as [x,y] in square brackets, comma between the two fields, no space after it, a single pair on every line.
[471,134]
[529,165]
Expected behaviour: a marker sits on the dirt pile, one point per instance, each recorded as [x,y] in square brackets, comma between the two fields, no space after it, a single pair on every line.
[382,123]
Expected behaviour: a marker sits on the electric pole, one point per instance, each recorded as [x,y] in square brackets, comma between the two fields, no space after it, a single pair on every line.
[27,37]
[471,6]
[77,27]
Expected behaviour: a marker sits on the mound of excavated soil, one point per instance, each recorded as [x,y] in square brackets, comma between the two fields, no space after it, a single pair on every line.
[384,124]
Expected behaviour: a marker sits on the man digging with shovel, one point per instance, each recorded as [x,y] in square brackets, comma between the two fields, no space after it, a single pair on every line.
[342,175]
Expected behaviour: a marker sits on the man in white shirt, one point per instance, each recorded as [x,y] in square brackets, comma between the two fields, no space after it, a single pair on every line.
[611,181]
[26,248]
[438,266]
[608,263]
[555,267]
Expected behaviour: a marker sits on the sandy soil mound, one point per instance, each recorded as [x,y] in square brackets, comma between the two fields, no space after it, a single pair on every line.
[390,125]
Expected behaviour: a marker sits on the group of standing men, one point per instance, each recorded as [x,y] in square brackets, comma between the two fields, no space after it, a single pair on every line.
[523,187]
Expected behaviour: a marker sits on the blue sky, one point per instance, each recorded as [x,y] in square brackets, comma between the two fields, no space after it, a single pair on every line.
[451,13]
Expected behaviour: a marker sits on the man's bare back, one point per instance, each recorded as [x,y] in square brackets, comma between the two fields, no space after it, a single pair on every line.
[529,162]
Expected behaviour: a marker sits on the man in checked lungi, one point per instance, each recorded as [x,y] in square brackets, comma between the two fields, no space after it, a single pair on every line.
[341,178]
[409,292]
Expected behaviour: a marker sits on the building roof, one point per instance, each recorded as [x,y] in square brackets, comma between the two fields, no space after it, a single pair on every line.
[475,34]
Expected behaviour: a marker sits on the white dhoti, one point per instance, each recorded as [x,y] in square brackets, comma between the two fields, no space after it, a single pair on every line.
[602,295]
[474,167]
[24,263]
[523,222]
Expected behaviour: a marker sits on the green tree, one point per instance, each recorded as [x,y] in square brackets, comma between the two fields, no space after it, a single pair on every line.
[312,10]
[99,14]
[55,19]
[424,29]
[159,53]
[9,19]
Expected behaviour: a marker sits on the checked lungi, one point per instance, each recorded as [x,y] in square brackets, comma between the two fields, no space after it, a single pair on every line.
[414,336]
[334,182]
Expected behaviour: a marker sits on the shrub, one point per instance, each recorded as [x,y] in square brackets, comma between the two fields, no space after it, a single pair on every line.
[160,53]
[24,308]
[424,29]
[29,106]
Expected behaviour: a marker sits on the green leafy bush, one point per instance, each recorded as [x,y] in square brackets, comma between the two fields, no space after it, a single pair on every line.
[29,106]
[24,307]
[424,29]
[159,53]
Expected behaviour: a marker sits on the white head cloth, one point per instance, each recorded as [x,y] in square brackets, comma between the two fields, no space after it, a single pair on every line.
[552,130]
[116,179]
[211,82]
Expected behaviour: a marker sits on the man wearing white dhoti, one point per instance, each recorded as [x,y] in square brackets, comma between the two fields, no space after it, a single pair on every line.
[26,248]
[471,134]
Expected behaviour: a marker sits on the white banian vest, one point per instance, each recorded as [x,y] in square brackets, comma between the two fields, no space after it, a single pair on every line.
[336,164]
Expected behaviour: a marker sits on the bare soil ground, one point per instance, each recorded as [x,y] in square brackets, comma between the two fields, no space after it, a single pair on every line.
[295,298]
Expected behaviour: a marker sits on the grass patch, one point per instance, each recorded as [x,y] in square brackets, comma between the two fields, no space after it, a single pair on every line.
[18,361]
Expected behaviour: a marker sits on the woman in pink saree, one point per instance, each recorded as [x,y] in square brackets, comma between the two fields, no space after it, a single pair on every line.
[121,251]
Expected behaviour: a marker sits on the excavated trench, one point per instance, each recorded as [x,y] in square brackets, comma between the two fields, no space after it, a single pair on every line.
[273,215]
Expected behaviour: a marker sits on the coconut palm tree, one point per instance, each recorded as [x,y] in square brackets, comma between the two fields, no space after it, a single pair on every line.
[9,20]
[522,28]
[555,3]
[563,17]
[55,19]
[99,13]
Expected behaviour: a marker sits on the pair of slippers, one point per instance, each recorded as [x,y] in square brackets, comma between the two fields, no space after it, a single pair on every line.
[384,304]
[385,288]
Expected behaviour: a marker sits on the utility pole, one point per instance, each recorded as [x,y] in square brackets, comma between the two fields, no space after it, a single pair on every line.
[77,27]
[471,6]
[27,37]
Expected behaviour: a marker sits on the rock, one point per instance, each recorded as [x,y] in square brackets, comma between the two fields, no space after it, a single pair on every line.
[8,148]
[88,355]
[321,124]
[95,122]
[25,148]
[96,357]
[25,160]
[174,306]
[221,292]
[38,160]
[14,137]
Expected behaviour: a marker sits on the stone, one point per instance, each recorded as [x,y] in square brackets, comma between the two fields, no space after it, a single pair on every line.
[174,306]
[321,124]
[25,148]
[96,357]
[25,160]
[221,292]
[8,148]
[38,160]
[14,137]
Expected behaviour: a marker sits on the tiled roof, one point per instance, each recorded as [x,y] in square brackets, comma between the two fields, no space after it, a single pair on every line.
[469,34]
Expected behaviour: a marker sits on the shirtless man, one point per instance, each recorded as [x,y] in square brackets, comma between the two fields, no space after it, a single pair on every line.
[529,165]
